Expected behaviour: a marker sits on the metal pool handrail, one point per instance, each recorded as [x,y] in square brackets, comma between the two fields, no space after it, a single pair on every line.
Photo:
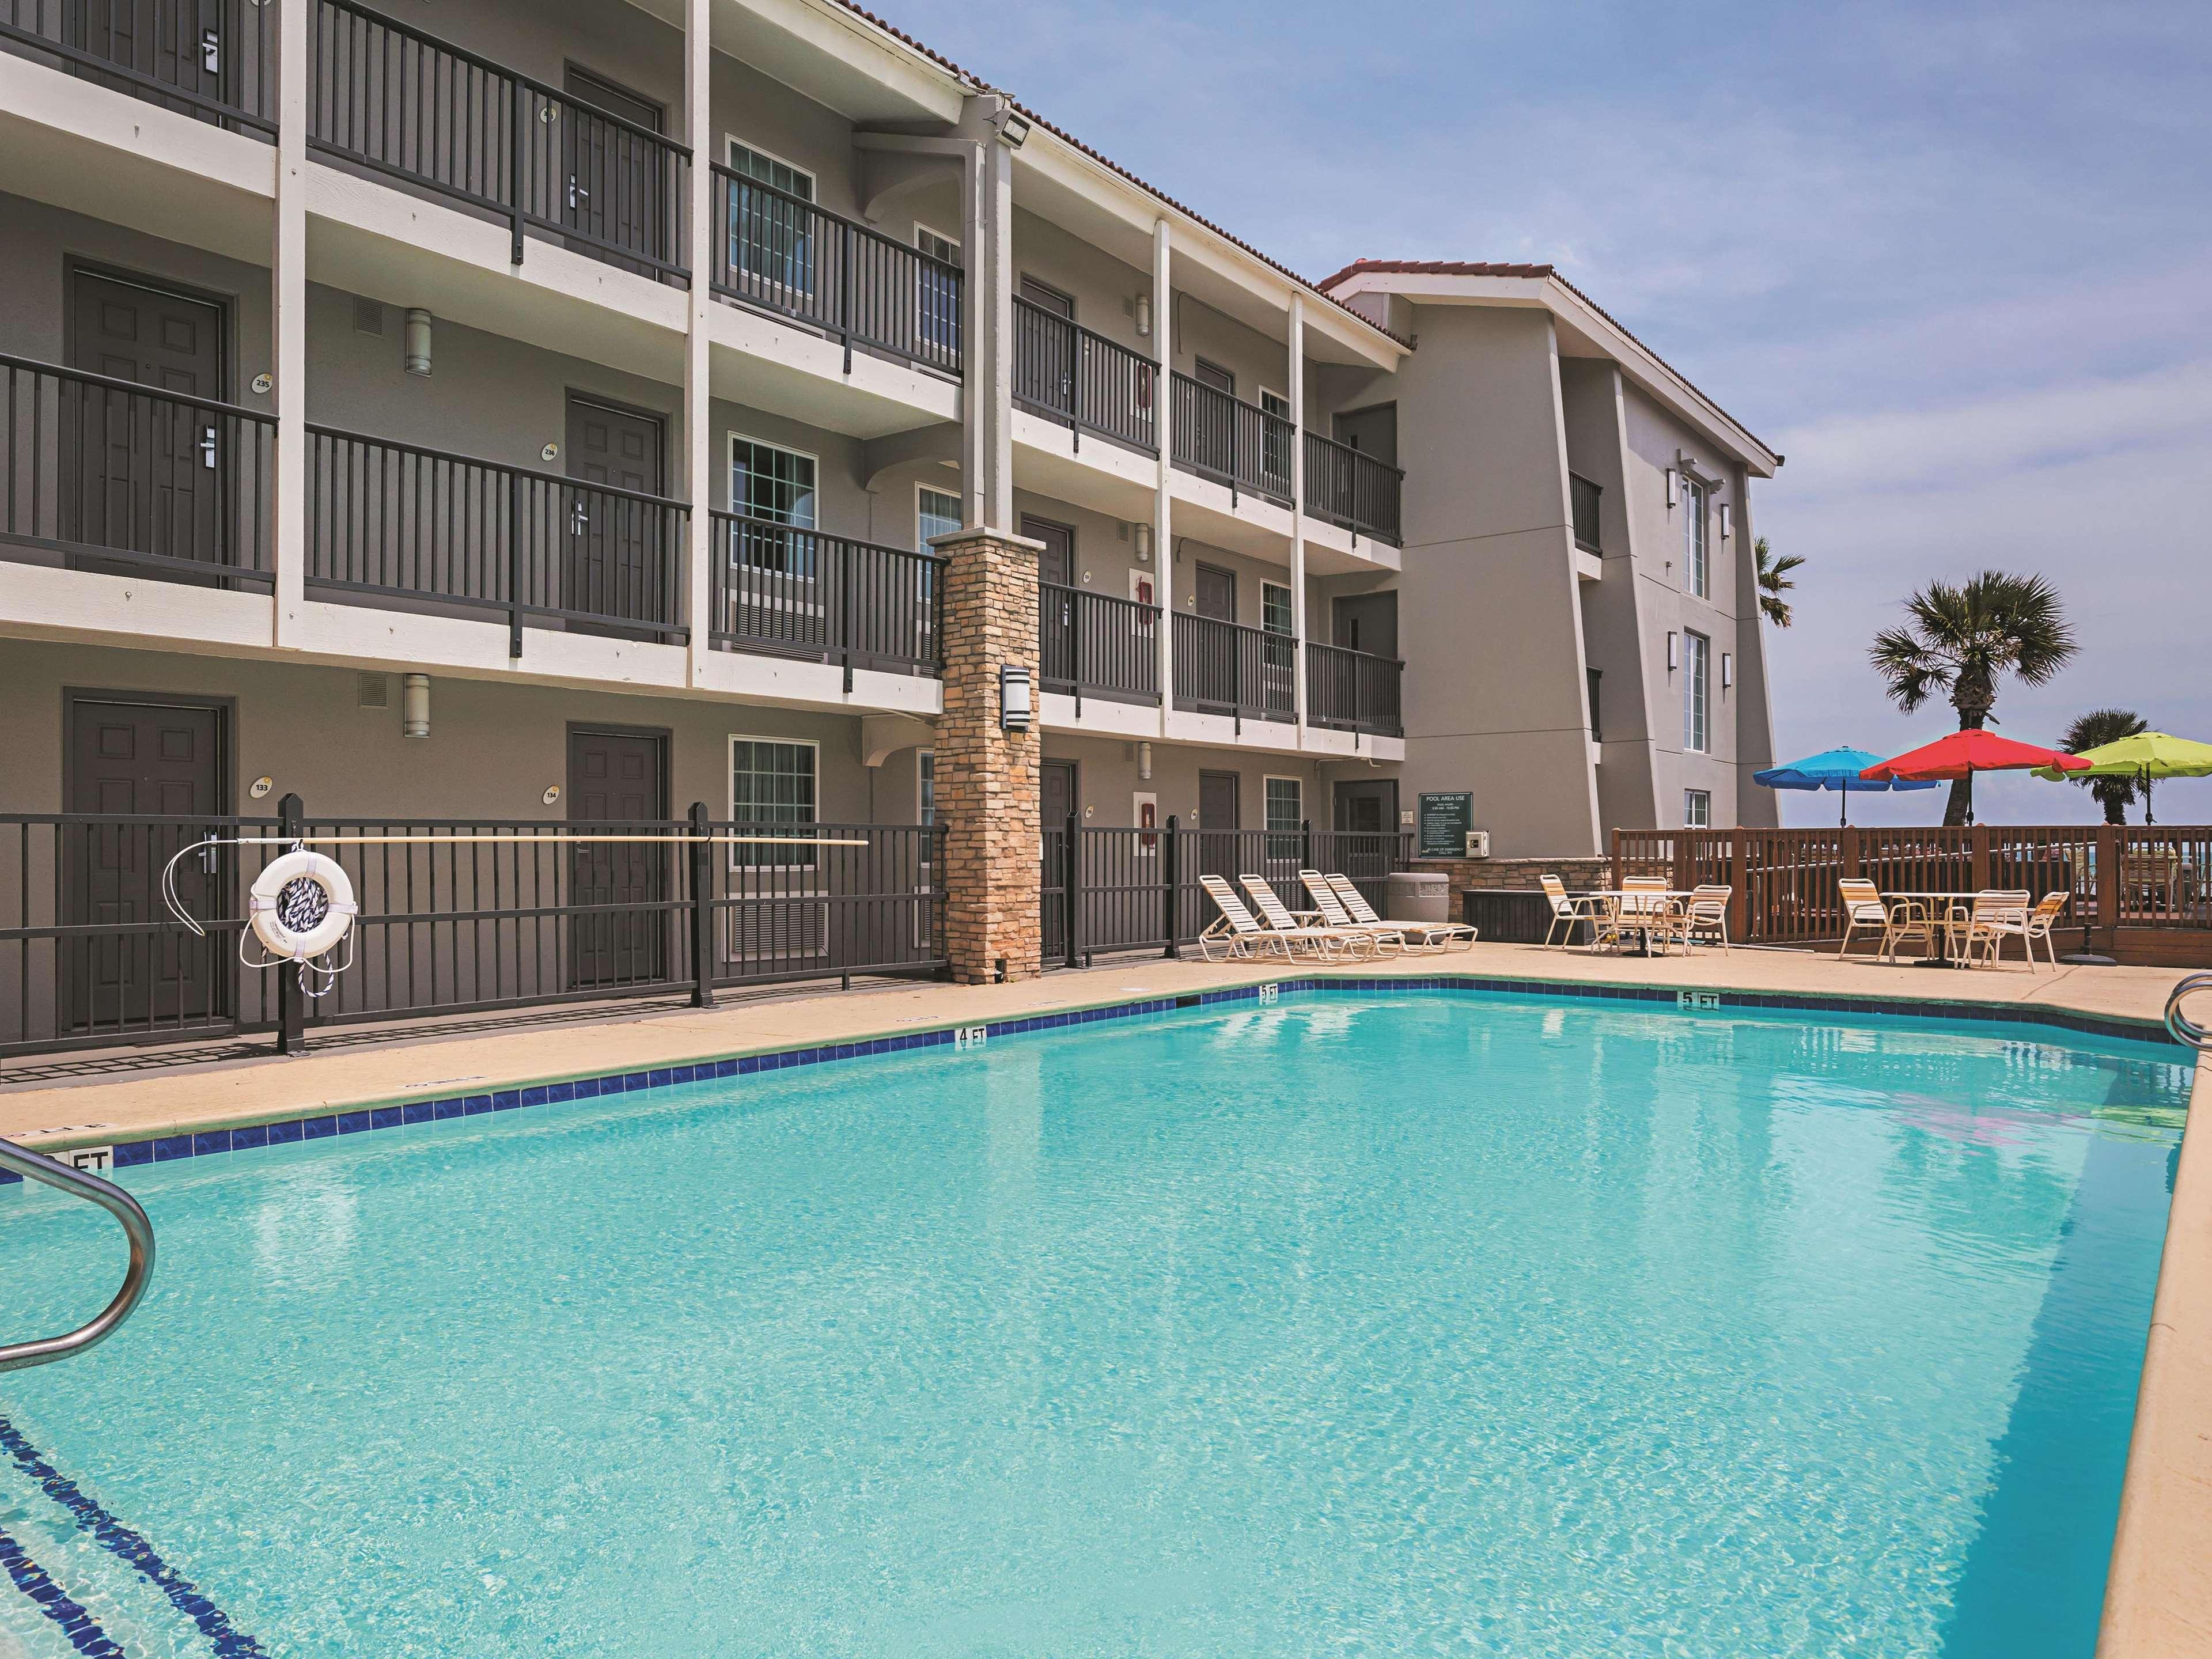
[2185,1030]
[21,1356]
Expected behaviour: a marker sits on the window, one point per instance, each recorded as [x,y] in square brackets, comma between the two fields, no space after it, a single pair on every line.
[1693,536]
[1697,662]
[771,786]
[1285,815]
[937,513]
[1274,608]
[1279,652]
[771,233]
[927,762]
[1588,500]
[770,487]
[937,295]
[1275,438]
[1697,809]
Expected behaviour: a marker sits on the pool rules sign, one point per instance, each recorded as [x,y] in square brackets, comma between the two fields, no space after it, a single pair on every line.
[1443,823]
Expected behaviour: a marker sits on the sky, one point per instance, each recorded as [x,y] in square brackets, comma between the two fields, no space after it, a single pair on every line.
[1955,263]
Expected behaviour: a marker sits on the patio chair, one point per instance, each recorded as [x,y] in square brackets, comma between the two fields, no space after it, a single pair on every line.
[1236,931]
[1704,917]
[1388,936]
[2035,925]
[1647,908]
[1865,909]
[1976,932]
[1569,912]
[1435,935]
[1277,922]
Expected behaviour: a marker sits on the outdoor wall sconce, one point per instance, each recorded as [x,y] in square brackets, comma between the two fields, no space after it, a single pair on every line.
[1673,489]
[1013,698]
[416,360]
[1140,542]
[1143,316]
[415,705]
[1145,762]
[1674,651]
[1728,670]
[1727,522]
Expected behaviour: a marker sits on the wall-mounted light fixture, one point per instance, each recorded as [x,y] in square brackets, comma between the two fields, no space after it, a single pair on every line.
[1140,542]
[1674,651]
[415,705]
[1727,522]
[1144,762]
[417,357]
[1673,489]
[1728,670]
[1143,316]
[1014,128]
[1014,707]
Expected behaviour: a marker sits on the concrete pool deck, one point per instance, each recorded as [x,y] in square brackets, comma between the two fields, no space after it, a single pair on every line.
[2159,1599]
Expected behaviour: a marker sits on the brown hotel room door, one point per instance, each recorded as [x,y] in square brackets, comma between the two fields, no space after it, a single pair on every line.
[618,779]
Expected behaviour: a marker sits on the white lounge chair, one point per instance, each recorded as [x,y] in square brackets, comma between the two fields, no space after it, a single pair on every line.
[1277,920]
[1236,931]
[1433,935]
[2035,925]
[1388,936]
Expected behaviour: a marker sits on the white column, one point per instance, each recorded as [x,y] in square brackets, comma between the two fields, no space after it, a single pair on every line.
[992,494]
[698,419]
[1298,342]
[288,321]
[1163,579]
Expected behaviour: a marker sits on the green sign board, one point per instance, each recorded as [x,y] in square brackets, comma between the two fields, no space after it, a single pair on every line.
[1444,821]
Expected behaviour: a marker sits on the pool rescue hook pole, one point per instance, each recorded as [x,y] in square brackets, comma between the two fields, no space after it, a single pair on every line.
[291,999]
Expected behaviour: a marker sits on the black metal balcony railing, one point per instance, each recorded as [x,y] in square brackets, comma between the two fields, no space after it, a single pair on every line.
[389,97]
[109,474]
[781,253]
[1232,442]
[1352,489]
[1585,498]
[1226,668]
[780,590]
[1596,678]
[1066,373]
[1353,691]
[1095,645]
[400,521]
[212,60]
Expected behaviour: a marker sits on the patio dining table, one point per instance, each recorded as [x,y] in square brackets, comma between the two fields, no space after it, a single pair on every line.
[1953,905]
[1644,914]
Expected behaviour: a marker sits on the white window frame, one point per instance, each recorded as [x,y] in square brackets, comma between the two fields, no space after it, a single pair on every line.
[768,281]
[925,787]
[921,544]
[1697,809]
[923,312]
[1697,546]
[1266,828]
[730,791]
[1697,692]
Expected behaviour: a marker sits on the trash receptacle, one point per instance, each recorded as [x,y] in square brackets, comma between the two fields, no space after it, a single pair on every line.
[1417,895]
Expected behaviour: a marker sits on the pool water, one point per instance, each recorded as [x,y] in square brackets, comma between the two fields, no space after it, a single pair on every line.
[1359,1324]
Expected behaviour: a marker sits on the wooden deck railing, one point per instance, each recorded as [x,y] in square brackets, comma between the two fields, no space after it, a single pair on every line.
[2142,893]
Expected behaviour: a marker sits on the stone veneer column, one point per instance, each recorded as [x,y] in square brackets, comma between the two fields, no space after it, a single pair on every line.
[987,778]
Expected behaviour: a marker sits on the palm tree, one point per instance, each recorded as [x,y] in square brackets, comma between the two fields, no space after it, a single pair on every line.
[2092,731]
[1774,581]
[1960,640]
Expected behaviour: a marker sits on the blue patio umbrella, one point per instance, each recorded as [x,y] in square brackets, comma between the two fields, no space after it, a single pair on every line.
[1836,769]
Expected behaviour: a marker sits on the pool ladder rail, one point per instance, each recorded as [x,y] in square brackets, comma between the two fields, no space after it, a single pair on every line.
[2184,1028]
[21,1356]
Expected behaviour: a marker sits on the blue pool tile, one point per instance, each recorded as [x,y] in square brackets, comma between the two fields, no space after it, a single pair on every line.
[660,1080]
[321,1128]
[387,1117]
[426,1111]
[131,1153]
[169,1146]
[10,1178]
[211,1140]
[256,1135]
[527,1097]
[284,1133]
[638,1080]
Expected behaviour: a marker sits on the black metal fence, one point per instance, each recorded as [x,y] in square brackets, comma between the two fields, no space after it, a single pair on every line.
[1109,890]
[1586,500]
[106,474]
[1354,489]
[1087,382]
[1353,691]
[386,96]
[400,521]
[1226,668]
[781,253]
[780,590]
[212,60]
[1220,437]
[1096,645]
[90,956]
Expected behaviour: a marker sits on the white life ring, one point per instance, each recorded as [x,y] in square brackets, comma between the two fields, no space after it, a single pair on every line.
[301,906]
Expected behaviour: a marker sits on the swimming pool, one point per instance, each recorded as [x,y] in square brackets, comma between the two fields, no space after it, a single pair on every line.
[1410,1323]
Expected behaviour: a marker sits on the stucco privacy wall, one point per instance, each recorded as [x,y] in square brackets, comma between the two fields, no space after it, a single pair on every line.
[492,750]
[1494,685]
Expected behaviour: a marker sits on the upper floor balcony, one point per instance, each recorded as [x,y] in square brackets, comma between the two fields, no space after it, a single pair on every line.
[212,60]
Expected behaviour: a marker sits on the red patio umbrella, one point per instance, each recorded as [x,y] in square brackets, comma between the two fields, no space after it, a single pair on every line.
[1965,753]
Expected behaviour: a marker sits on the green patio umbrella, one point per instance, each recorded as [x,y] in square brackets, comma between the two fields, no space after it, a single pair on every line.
[2146,757]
